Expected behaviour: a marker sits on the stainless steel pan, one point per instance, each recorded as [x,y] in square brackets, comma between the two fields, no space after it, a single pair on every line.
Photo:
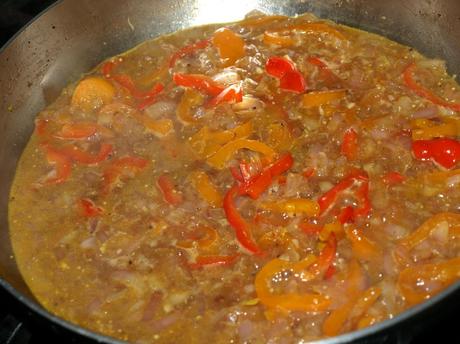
[73,36]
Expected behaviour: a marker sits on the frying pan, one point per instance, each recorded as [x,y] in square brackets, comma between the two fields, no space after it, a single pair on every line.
[71,37]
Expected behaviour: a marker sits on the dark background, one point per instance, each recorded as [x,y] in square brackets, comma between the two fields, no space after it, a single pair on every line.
[14,14]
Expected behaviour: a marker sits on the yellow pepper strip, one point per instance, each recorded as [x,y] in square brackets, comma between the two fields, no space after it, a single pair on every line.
[293,206]
[279,136]
[206,189]
[412,281]
[275,238]
[317,98]
[159,127]
[425,129]
[355,280]
[190,99]
[363,248]
[209,236]
[274,38]
[92,93]
[307,302]
[259,21]
[224,154]
[230,46]
[424,231]
[356,307]
[205,142]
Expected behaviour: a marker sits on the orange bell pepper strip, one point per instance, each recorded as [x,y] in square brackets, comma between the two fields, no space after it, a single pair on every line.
[88,208]
[190,99]
[77,131]
[203,261]
[425,129]
[317,98]
[349,146]
[219,159]
[307,302]
[421,91]
[230,46]
[423,232]
[199,82]
[325,259]
[412,281]
[255,22]
[294,205]
[62,164]
[241,227]
[357,306]
[167,188]
[206,189]
[121,168]
[275,39]
[203,236]
[159,127]
[150,97]
[363,248]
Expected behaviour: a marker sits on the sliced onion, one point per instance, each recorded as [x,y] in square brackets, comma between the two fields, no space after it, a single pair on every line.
[428,112]
[88,243]
[227,77]
[441,232]
[453,181]
[249,104]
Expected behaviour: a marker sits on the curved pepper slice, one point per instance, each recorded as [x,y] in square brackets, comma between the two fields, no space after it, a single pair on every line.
[356,306]
[189,100]
[445,152]
[199,82]
[392,178]
[276,39]
[202,261]
[231,94]
[188,50]
[363,248]
[89,209]
[203,236]
[317,98]
[295,205]
[167,188]
[412,281]
[307,302]
[423,232]
[349,146]
[225,153]
[206,189]
[408,77]
[241,227]
[230,46]
[283,69]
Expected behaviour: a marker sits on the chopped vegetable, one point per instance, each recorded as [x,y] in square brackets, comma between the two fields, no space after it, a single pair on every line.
[241,227]
[190,99]
[445,152]
[363,248]
[219,159]
[293,206]
[92,93]
[206,189]
[231,94]
[62,164]
[167,188]
[307,302]
[420,282]
[408,77]
[188,50]
[203,236]
[119,169]
[83,157]
[89,209]
[317,98]
[199,82]
[283,69]
[77,131]
[349,146]
[230,46]
[202,261]
[392,178]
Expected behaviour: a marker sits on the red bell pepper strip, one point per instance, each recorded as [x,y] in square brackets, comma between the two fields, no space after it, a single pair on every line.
[128,83]
[77,131]
[408,77]
[310,228]
[240,226]
[89,209]
[86,158]
[327,200]
[199,82]
[236,174]
[326,257]
[232,94]
[41,126]
[290,78]
[261,182]
[349,146]
[107,68]
[62,163]
[167,188]
[392,178]
[188,50]
[151,96]
[279,66]
[325,73]
[309,172]
[202,261]
[346,215]
[444,151]
[120,167]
